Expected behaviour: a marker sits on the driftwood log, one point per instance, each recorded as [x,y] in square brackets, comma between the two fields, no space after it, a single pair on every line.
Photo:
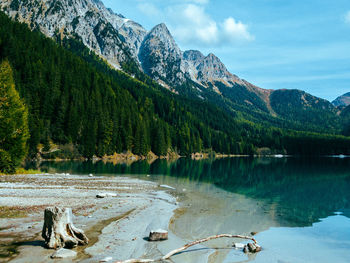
[59,231]
[176,251]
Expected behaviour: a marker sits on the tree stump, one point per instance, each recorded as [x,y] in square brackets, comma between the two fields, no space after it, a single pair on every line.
[59,231]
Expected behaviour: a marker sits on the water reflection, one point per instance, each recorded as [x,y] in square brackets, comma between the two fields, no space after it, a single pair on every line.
[301,190]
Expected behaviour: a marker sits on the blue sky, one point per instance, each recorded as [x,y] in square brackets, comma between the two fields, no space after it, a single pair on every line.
[274,44]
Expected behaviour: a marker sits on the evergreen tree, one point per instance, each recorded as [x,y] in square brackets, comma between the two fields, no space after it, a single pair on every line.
[13,122]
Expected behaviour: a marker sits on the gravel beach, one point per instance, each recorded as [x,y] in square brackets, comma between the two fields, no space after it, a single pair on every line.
[116,226]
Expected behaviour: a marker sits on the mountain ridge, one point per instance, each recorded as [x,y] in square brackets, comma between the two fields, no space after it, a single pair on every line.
[189,73]
[99,28]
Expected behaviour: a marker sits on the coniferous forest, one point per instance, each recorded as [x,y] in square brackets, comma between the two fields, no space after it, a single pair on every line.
[74,99]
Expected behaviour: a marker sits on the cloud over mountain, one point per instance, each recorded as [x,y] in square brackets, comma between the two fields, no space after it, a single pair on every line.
[190,23]
[195,25]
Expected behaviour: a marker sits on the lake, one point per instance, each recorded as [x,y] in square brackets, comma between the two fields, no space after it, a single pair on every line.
[299,207]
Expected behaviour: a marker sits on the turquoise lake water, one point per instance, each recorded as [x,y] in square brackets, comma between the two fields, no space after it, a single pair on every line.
[299,207]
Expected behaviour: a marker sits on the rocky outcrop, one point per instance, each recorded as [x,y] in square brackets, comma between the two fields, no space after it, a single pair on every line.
[108,34]
[207,69]
[160,56]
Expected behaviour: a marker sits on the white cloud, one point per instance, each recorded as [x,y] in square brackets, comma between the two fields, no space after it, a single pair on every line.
[347,17]
[235,31]
[191,24]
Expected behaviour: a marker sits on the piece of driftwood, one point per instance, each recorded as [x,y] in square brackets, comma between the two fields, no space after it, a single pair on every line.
[59,231]
[158,235]
[176,251]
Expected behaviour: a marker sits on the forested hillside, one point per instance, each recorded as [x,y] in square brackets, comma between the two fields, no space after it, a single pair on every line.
[72,101]
[75,99]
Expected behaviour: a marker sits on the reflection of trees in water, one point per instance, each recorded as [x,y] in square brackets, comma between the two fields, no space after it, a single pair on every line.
[301,191]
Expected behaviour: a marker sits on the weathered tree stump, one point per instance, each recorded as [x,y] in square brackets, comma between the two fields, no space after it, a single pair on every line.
[59,231]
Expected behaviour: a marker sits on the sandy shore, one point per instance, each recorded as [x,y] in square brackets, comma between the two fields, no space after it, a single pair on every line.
[116,226]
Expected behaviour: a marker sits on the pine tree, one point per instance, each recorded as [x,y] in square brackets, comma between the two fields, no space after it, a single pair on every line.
[13,122]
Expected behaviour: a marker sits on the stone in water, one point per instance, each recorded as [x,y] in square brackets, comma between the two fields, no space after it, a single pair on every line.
[158,235]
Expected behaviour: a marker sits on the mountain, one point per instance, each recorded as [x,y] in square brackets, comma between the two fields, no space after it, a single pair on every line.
[155,56]
[117,39]
[126,45]
[81,107]
[342,101]
[160,56]
[85,108]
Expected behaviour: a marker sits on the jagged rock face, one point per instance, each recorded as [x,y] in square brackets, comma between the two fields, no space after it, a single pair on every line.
[212,69]
[190,61]
[207,69]
[119,39]
[160,56]
[133,34]
[108,34]
[342,101]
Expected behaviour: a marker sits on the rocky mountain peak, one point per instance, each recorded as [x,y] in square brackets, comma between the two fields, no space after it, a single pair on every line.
[160,56]
[193,55]
[342,101]
[207,69]
[160,29]
[161,35]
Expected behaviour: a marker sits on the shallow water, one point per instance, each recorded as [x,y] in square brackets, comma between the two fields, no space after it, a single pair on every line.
[299,207]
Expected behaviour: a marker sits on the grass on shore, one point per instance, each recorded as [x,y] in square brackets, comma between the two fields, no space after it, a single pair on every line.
[21,171]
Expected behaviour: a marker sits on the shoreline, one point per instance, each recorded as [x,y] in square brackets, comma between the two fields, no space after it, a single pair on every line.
[116,226]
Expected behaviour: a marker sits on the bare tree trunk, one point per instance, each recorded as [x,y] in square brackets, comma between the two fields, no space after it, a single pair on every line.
[173,252]
[59,231]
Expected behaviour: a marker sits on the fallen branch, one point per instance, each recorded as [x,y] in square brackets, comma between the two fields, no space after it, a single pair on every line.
[176,251]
